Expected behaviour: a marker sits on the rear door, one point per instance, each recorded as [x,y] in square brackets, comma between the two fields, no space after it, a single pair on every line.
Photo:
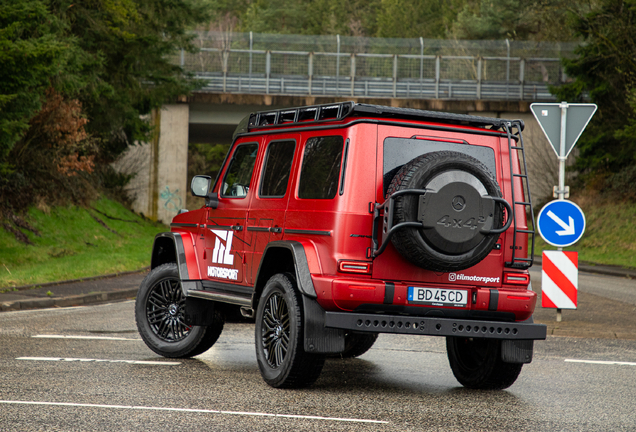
[269,202]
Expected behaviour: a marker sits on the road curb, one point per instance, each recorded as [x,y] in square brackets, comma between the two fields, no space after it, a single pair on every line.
[76,300]
[90,278]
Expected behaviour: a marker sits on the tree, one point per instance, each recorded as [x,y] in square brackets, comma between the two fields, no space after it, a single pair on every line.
[414,18]
[605,69]
[135,41]
[35,53]
[77,82]
[537,20]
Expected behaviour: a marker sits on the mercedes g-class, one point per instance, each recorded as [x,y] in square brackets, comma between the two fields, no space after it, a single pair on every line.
[330,224]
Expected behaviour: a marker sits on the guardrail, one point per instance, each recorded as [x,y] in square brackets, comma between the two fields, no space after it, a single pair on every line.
[364,74]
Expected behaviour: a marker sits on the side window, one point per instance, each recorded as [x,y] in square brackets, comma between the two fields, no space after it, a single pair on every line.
[278,163]
[321,168]
[239,174]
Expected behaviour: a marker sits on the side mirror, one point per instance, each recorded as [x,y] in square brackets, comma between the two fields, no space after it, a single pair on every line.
[200,186]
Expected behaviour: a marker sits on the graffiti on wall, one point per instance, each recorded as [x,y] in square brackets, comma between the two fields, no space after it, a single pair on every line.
[171,200]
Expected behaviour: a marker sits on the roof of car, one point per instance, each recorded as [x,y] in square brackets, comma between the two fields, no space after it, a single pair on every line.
[317,114]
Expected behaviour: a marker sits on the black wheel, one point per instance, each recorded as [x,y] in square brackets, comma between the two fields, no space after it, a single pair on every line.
[456,212]
[159,312]
[477,364]
[356,344]
[279,337]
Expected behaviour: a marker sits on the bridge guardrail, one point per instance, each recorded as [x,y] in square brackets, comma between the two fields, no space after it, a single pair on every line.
[373,74]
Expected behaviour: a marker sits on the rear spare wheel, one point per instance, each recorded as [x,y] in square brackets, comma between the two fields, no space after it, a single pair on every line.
[461,212]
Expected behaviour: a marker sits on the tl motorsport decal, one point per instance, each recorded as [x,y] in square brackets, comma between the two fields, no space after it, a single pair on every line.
[452,277]
[222,273]
[222,252]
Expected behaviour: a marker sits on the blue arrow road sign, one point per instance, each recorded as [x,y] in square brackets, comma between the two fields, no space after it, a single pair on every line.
[561,223]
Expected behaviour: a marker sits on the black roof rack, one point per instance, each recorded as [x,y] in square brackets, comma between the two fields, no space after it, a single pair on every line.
[313,114]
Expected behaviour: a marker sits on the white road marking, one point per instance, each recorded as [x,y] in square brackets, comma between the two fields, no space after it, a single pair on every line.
[84,360]
[602,362]
[192,410]
[84,337]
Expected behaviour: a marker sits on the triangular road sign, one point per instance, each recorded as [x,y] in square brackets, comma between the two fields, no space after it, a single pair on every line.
[549,117]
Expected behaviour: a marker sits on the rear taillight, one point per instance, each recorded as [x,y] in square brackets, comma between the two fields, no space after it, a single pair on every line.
[354,267]
[517,278]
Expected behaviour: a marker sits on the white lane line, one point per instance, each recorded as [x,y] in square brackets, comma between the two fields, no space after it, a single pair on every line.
[84,337]
[192,410]
[84,360]
[602,362]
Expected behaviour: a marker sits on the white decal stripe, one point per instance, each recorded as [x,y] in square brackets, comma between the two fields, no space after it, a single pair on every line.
[554,293]
[191,410]
[84,337]
[563,263]
[601,362]
[84,360]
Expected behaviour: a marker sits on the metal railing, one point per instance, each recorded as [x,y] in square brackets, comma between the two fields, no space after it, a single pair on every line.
[448,73]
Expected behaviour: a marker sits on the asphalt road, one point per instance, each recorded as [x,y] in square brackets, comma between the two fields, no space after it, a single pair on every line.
[86,368]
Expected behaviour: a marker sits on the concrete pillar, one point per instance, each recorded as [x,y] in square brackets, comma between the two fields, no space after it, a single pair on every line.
[159,167]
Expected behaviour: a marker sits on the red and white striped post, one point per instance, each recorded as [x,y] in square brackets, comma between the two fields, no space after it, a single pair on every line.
[559,280]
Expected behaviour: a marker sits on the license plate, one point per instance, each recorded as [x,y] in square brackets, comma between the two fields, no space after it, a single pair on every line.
[438,297]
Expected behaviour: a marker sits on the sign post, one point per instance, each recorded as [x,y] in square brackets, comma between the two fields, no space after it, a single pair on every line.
[563,221]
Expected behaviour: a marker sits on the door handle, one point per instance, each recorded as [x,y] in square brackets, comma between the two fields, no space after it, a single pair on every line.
[276,230]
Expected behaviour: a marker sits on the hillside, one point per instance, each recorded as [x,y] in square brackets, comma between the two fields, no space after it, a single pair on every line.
[73,242]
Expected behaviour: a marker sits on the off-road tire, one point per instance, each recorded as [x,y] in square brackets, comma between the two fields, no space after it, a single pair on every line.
[280,352]
[412,243]
[476,363]
[159,312]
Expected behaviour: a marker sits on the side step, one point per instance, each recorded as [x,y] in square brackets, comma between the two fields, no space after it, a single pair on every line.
[223,297]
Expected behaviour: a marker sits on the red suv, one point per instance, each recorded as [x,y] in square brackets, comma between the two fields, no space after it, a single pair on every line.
[332,223]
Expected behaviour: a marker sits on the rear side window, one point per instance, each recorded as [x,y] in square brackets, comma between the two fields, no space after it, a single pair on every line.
[278,163]
[321,168]
[239,174]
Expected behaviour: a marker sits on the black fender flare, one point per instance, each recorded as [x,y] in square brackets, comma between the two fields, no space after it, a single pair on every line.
[300,268]
[168,247]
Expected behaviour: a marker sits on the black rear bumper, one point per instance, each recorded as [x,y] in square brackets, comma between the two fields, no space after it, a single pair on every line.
[429,326]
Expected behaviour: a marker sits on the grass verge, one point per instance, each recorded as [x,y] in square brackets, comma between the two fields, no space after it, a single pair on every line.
[77,242]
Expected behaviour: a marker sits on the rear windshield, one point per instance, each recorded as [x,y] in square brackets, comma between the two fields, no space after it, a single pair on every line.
[398,151]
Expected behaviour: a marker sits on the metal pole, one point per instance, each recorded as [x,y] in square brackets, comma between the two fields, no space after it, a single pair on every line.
[508,69]
[421,65]
[395,69]
[522,76]
[479,68]
[561,189]
[564,114]
[251,47]
[311,70]
[353,73]
[437,67]
[268,66]
[338,66]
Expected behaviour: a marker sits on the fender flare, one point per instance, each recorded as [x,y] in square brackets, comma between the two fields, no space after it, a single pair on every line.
[301,268]
[170,247]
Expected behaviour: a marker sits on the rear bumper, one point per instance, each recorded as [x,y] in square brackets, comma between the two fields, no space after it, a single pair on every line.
[435,326]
